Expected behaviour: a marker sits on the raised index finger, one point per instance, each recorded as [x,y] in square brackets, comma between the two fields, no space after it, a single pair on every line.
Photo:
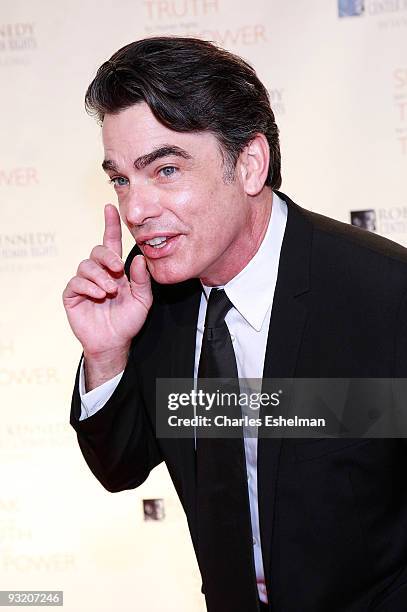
[112,237]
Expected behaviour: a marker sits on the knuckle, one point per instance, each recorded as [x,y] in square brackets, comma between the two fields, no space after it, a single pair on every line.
[83,266]
[76,283]
[96,251]
[69,287]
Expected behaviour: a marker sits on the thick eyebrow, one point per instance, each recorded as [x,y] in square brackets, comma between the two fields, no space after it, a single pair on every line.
[108,164]
[163,151]
[144,160]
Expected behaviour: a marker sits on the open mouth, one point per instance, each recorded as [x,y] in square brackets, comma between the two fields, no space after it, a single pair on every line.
[159,242]
[160,246]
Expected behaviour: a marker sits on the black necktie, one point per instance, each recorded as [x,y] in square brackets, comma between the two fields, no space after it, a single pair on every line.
[223,511]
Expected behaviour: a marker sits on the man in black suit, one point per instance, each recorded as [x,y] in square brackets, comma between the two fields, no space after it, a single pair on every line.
[191,146]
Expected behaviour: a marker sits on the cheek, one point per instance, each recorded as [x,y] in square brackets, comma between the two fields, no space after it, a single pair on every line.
[208,240]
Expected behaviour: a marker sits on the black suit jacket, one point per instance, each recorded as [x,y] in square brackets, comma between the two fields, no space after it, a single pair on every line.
[333,512]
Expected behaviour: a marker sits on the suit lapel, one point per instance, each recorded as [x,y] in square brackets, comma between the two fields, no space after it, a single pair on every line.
[287,322]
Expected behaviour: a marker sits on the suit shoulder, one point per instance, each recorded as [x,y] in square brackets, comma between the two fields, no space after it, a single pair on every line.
[346,257]
[357,238]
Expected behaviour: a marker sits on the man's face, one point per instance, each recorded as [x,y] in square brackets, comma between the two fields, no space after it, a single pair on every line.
[171,185]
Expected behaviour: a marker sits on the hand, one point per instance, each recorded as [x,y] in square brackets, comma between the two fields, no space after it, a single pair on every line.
[104,309]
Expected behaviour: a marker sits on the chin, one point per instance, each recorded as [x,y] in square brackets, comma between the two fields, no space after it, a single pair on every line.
[165,276]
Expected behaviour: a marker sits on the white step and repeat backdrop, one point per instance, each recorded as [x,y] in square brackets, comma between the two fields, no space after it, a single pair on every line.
[336,71]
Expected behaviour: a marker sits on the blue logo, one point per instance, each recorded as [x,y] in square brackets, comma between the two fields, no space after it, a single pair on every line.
[351,8]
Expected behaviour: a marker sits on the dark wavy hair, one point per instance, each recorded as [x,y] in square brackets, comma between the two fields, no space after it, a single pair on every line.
[190,85]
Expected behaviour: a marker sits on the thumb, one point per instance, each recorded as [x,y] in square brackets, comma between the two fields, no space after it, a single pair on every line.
[140,281]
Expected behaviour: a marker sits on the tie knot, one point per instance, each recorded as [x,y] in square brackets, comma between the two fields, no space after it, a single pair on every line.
[217,309]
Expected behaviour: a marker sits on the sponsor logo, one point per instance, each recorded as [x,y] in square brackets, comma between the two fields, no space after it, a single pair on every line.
[247,35]
[366,219]
[27,436]
[192,17]
[56,562]
[351,8]
[28,245]
[18,177]
[385,7]
[17,42]
[157,10]
[392,10]
[38,376]
[389,222]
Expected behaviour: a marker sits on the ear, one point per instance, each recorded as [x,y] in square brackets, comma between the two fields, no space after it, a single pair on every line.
[253,164]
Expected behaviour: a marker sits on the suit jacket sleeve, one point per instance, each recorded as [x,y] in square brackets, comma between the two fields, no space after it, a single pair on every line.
[117,442]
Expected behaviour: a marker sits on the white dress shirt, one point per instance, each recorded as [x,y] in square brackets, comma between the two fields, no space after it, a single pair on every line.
[251,293]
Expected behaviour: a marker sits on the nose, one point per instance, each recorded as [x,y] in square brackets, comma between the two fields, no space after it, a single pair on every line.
[141,204]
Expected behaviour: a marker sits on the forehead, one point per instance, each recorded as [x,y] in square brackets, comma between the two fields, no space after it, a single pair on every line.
[135,132]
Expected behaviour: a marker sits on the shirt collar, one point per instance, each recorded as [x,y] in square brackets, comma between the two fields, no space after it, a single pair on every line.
[252,290]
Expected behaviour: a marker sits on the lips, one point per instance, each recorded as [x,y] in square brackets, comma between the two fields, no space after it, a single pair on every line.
[143,238]
[162,249]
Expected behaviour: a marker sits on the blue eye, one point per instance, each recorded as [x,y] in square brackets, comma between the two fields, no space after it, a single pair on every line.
[168,170]
[119,181]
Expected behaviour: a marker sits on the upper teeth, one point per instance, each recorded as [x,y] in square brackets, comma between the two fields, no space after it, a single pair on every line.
[157,240]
